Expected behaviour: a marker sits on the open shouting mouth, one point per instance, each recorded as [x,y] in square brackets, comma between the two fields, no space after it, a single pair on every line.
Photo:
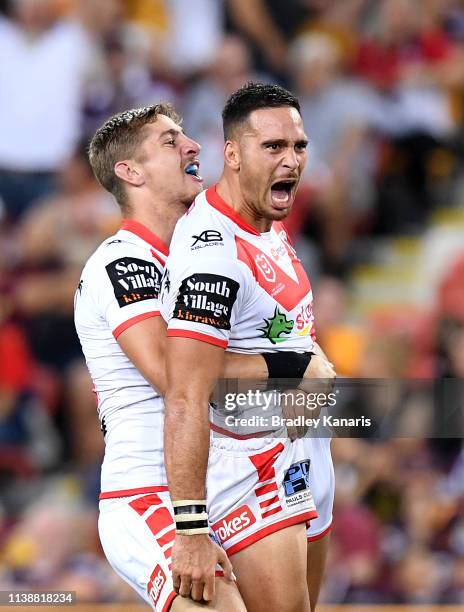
[282,193]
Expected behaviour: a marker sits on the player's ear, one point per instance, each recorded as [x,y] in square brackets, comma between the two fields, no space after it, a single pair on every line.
[129,171]
[232,154]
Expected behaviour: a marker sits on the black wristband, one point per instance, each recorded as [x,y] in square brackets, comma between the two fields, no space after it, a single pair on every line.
[190,519]
[286,365]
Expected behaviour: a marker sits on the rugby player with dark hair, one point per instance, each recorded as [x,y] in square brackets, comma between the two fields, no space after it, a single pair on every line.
[245,291]
[151,167]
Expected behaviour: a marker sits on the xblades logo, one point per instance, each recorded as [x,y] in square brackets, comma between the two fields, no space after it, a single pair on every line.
[207,236]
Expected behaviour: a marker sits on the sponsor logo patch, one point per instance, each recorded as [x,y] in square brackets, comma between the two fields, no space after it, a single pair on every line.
[296,484]
[233,523]
[156,583]
[134,280]
[304,320]
[206,298]
[207,238]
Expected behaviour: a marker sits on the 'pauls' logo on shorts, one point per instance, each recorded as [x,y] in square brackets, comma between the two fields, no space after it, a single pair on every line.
[296,485]
[234,523]
[206,298]
[133,280]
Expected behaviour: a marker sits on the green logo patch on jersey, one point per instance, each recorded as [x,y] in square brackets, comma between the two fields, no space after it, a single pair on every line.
[277,325]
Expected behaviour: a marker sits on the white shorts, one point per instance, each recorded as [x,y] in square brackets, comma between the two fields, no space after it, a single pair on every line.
[254,488]
[321,484]
[137,534]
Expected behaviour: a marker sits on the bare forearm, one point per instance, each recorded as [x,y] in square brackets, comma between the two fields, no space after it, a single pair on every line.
[238,365]
[186,448]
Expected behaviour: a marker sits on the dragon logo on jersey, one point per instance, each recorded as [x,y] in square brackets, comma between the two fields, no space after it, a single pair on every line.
[275,326]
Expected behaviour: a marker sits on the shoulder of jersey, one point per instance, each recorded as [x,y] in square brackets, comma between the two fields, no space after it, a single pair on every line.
[203,232]
[115,247]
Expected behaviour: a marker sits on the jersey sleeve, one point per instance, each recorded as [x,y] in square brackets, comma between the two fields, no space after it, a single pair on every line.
[127,285]
[202,301]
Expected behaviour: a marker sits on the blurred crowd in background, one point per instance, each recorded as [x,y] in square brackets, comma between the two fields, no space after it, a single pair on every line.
[379,225]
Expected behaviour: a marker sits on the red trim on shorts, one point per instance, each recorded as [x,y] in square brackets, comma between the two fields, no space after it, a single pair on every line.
[268,502]
[159,520]
[130,492]
[230,434]
[169,600]
[271,512]
[141,504]
[262,533]
[215,200]
[168,537]
[320,535]
[130,225]
[187,333]
[130,322]
[266,489]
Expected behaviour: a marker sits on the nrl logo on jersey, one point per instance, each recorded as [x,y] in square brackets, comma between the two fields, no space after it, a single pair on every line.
[265,267]
[207,238]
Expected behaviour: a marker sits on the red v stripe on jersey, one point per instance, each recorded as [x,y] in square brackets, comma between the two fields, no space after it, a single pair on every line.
[279,285]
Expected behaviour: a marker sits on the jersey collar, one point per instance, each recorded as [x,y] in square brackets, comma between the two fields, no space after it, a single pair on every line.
[219,204]
[145,234]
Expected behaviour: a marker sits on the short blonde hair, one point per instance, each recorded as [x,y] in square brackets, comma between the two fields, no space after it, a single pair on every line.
[118,139]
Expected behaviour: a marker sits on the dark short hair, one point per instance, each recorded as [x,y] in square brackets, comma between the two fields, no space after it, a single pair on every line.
[118,139]
[251,97]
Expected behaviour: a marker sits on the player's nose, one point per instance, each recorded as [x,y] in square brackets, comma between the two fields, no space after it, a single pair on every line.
[191,147]
[290,159]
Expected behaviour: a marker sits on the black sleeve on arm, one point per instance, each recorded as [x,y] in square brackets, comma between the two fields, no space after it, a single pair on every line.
[286,364]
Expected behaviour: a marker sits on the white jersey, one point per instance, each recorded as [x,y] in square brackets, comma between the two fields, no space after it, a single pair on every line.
[119,287]
[229,285]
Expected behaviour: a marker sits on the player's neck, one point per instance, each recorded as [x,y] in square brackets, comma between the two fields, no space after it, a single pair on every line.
[161,223]
[229,190]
